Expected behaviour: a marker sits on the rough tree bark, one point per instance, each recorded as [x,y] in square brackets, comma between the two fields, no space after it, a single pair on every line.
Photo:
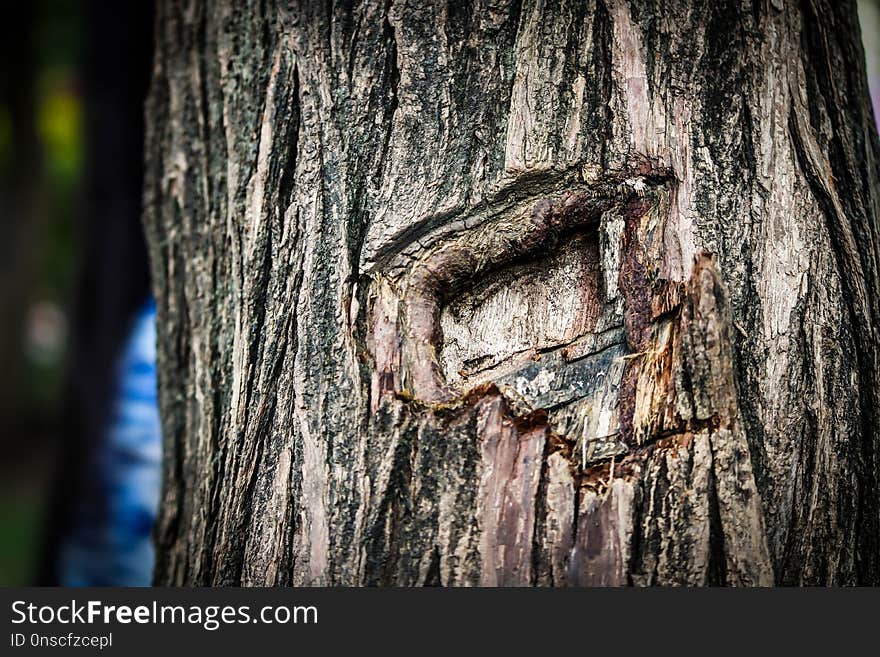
[539,293]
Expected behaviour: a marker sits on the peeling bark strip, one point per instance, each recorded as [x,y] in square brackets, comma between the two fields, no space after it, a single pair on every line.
[436,305]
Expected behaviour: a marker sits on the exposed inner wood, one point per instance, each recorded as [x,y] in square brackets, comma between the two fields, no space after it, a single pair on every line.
[524,309]
[531,328]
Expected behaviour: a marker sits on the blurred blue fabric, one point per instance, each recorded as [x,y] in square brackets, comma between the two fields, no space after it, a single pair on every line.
[112,546]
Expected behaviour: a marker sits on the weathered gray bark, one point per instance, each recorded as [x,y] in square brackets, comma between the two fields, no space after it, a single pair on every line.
[539,293]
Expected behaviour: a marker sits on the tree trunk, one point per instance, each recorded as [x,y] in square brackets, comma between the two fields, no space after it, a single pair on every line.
[544,294]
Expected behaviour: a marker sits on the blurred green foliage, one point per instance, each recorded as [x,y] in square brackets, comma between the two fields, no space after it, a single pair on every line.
[20,522]
[59,126]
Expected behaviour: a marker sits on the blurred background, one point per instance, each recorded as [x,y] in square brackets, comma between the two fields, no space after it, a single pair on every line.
[74,293]
[73,266]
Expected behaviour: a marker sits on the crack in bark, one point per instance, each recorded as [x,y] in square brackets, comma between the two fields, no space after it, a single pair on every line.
[451,265]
